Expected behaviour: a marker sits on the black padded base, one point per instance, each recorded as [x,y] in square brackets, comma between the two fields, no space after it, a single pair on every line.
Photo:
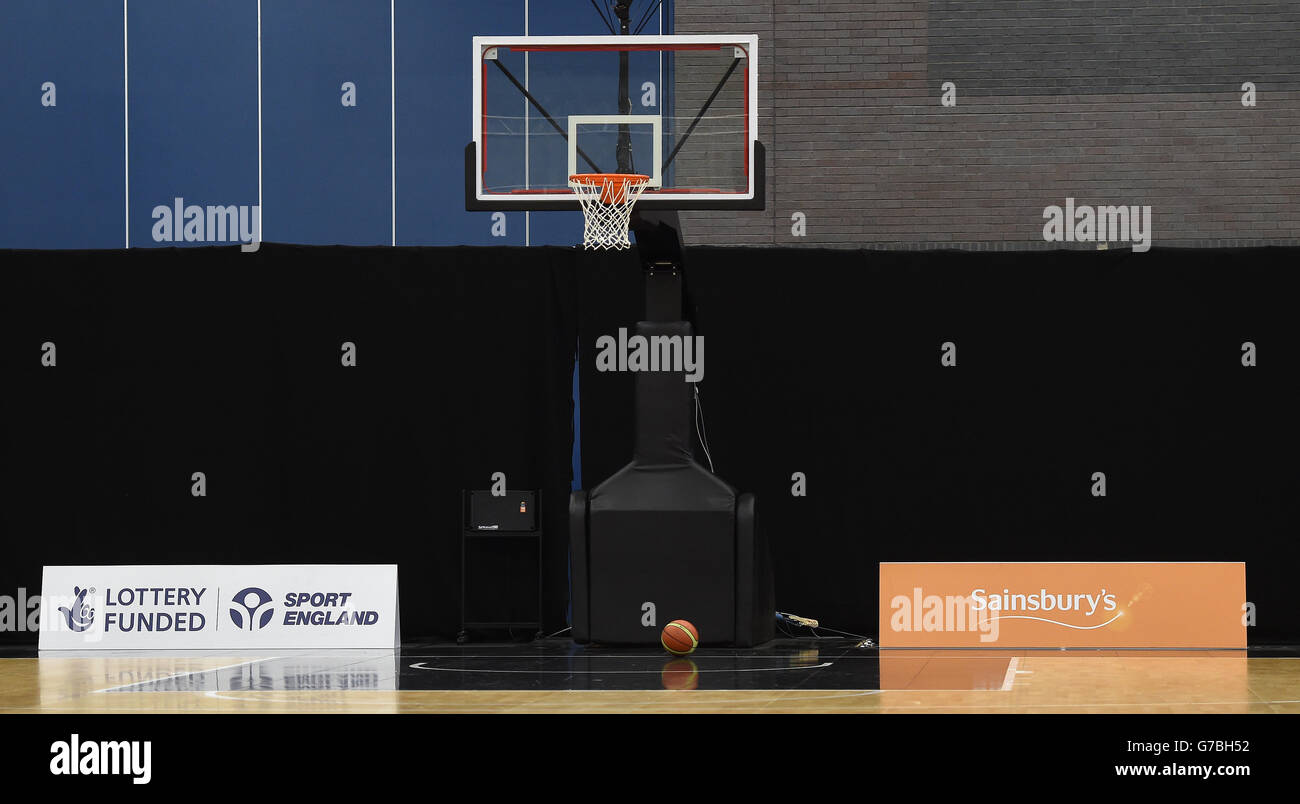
[665,539]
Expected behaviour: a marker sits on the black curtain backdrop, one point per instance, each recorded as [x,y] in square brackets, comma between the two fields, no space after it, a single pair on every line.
[826,362]
[213,360]
[822,362]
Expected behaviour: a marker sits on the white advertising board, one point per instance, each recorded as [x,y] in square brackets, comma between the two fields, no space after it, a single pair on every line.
[236,607]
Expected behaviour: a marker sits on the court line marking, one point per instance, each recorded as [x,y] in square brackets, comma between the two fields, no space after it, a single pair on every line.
[204,653]
[678,698]
[469,705]
[1010,677]
[661,655]
[420,666]
[1073,653]
[181,675]
[1078,705]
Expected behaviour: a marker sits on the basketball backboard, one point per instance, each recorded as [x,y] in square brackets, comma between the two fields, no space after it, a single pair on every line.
[681,109]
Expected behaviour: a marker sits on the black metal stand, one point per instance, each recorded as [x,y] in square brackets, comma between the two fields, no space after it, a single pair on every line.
[659,243]
[469,535]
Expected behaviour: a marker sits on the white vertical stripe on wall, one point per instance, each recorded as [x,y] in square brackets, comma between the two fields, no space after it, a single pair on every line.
[261,211]
[392,115]
[126,132]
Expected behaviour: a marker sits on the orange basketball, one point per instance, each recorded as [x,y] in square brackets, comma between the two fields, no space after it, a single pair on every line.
[680,638]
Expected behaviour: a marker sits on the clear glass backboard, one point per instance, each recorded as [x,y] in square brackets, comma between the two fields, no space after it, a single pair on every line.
[680,109]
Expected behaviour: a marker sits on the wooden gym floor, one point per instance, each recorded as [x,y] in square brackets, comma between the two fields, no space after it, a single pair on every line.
[556,676]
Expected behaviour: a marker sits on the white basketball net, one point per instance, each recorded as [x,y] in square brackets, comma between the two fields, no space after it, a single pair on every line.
[607,200]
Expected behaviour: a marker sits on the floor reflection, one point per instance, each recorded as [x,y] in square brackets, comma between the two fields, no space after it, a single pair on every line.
[787,664]
[320,672]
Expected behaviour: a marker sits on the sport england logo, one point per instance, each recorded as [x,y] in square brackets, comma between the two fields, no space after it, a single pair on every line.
[79,616]
[250,600]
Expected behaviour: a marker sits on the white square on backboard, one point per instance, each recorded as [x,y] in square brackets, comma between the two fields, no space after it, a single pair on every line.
[653,120]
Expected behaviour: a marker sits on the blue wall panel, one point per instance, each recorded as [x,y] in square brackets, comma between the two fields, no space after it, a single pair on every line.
[326,167]
[193,110]
[327,171]
[434,91]
[62,178]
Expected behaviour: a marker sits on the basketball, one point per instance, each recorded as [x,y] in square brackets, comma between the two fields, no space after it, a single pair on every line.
[680,638]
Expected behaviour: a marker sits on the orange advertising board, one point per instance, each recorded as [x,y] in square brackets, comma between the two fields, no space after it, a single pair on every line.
[1063,605]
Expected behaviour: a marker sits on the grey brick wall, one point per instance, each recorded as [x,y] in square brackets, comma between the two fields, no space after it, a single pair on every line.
[1108,102]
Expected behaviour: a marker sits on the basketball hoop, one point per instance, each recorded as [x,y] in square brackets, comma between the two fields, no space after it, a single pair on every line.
[607,200]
